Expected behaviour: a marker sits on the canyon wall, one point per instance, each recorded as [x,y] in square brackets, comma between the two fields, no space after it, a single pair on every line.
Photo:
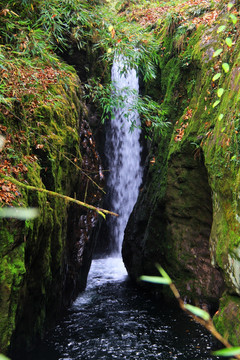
[187,214]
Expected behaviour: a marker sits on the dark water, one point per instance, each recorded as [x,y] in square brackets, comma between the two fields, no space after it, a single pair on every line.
[112,320]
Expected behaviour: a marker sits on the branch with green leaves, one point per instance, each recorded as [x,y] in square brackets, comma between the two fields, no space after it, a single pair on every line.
[199,315]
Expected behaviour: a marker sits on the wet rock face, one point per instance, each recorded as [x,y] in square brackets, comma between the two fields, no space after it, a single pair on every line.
[58,253]
[175,231]
[81,222]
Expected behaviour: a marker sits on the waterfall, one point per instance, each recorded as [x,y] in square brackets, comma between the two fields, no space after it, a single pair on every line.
[123,152]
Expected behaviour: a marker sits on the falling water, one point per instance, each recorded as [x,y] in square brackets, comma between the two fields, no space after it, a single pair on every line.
[123,152]
[112,319]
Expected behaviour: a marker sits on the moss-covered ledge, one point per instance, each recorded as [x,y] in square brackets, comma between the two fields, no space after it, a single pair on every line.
[192,186]
[45,261]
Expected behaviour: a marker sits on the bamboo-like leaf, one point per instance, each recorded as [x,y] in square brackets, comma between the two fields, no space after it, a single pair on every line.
[197,311]
[155,279]
[221,28]
[216,103]
[232,351]
[226,67]
[19,213]
[163,273]
[216,77]
[220,92]
[3,357]
[233,18]
[220,117]
[228,41]
[103,215]
[217,52]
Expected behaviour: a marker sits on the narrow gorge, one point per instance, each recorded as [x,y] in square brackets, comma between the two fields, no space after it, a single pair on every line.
[130,108]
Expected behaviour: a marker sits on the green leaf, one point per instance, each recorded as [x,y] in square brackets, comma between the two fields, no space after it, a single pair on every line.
[226,67]
[217,52]
[228,41]
[216,103]
[220,92]
[103,215]
[233,18]
[230,5]
[216,77]
[2,357]
[155,279]
[19,213]
[228,351]
[198,312]
[163,273]
[220,117]
[221,28]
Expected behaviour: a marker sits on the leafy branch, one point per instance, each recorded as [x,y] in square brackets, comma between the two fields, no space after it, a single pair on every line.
[225,65]
[199,315]
[110,96]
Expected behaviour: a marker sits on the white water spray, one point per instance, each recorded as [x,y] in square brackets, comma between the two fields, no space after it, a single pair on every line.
[123,152]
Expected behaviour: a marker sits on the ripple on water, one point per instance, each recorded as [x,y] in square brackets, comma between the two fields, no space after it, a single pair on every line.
[112,320]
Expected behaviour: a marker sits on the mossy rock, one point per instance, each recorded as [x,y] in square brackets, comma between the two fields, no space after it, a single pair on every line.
[227,318]
[192,186]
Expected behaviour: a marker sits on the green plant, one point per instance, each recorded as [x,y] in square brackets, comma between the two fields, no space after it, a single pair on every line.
[3,357]
[108,97]
[198,314]
[220,51]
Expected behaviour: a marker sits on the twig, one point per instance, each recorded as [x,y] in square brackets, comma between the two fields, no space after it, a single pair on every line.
[100,211]
[208,324]
[66,157]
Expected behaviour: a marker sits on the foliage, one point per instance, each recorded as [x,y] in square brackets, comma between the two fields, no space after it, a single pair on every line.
[109,97]
[197,313]
[2,357]
[221,51]
[50,23]
[227,352]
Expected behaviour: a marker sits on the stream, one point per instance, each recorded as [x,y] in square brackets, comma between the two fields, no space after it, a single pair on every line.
[113,320]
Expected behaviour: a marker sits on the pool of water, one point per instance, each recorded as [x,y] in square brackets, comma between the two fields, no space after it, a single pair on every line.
[113,320]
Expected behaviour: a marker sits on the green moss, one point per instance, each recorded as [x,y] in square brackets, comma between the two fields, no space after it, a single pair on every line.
[227,319]
[12,270]
[193,179]
[33,251]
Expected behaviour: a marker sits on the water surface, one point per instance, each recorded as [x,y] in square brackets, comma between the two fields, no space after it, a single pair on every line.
[112,320]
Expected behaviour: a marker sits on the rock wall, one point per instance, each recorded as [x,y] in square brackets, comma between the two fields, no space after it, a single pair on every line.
[45,261]
[187,215]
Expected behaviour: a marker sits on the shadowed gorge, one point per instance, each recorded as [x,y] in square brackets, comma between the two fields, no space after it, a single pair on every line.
[76,77]
[176,231]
